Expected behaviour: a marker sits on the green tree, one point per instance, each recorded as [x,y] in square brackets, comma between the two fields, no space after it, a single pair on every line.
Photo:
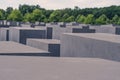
[81,19]
[115,19]
[28,17]
[38,15]
[8,11]
[55,16]
[89,19]
[118,22]
[28,8]
[65,16]
[70,19]
[15,15]
[46,20]
[1,15]
[102,19]
[77,17]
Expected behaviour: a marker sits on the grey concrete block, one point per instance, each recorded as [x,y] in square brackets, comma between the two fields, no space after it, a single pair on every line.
[98,45]
[49,32]
[69,29]
[40,24]
[13,48]
[25,25]
[4,34]
[103,29]
[50,45]
[117,30]
[84,30]
[37,68]
[55,32]
[20,35]
[107,29]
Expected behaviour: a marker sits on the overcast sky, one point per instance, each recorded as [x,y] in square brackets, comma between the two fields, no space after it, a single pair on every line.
[58,4]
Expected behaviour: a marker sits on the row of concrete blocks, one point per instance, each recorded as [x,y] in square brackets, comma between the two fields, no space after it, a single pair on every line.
[107,29]
[39,47]
[55,32]
[56,29]
[94,45]
[75,52]
[20,34]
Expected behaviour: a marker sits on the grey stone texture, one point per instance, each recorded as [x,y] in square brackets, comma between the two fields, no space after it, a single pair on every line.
[13,48]
[117,30]
[107,29]
[20,34]
[55,32]
[84,29]
[50,45]
[25,25]
[95,45]
[72,24]
[49,32]
[43,68]
[4,34]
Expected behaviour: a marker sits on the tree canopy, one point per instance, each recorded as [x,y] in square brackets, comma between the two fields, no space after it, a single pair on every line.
[32,13]
[15,15]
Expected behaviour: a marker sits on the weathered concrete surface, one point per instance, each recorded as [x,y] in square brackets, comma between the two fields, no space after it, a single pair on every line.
[98,45]
[55,32]
[36,68]
[50,45]
[4,34]
[13,48]
[107,29]
[20,35]
[49,33]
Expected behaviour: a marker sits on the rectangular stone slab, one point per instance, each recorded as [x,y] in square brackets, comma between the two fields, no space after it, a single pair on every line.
[55,32]
[4,34]
[13,48]
[20,34]
[50,45]
[107,29]
[98,45]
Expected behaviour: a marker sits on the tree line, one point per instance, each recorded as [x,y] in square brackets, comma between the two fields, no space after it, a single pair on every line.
[33,13]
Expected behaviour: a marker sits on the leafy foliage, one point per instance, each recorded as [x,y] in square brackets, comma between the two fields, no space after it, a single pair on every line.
[89,19]
[15,15]
[32,13]
[38,15]
[102,19]
[81,19]
[1,15]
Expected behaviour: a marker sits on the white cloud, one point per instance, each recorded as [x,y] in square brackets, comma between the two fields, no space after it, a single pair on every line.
[57,4]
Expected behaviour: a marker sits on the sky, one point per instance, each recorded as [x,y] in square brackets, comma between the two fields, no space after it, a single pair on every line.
[59,4]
